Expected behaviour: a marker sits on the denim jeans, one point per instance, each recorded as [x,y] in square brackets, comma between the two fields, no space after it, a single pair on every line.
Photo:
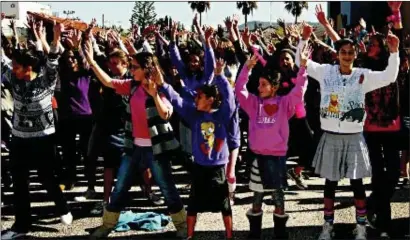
[128,171]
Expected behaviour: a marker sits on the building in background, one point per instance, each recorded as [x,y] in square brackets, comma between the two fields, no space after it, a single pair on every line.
[18,11]
[374,13]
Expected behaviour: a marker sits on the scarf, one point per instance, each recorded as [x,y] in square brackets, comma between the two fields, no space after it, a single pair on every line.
[160,130]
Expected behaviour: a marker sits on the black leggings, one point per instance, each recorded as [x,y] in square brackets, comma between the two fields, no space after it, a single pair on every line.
[356,185]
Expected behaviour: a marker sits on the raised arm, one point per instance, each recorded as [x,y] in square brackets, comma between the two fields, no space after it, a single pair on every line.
[228,104]
[104,78]
[315,70]
[247,101]
[150,86]
[321,17]
[185,108]
[174,53]
[377,79]
[209,57]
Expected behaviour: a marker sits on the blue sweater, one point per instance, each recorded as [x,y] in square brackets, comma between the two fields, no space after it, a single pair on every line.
[209,130]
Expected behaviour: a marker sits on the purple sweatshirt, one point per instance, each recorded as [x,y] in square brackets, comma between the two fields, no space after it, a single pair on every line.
[268,118]
[191,82]
[74,90]
[209,130]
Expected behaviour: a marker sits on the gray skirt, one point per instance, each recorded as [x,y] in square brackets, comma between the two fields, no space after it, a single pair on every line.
[341,156]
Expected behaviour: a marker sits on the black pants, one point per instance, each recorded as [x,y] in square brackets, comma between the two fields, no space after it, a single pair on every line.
[385,161]
[300,143]
[37,153]
[69,127]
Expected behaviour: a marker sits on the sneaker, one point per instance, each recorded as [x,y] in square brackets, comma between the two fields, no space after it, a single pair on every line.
[297,178]
[89,194]
[327,232]
[371,220]
[98,208]
[154,199]
[66,219]
[360,232]
[10,234]
[384,235]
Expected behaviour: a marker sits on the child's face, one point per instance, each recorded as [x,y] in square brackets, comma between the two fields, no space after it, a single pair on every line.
[203,103]
[266,90]
[347,55]
[286,62]
[194,63]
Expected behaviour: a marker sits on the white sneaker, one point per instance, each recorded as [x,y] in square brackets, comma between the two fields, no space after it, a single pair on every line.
[10,234]
[360,232]
[66,219]
[384,235]
[327,232]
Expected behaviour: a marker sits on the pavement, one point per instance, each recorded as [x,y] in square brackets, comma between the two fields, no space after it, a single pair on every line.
[305,208]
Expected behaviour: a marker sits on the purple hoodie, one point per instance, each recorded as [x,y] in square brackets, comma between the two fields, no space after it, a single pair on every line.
[209,130]
[268,118]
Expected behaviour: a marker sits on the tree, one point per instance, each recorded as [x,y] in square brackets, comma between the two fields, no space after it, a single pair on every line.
[143,14]
[296,8]
[247,8]
[200,7]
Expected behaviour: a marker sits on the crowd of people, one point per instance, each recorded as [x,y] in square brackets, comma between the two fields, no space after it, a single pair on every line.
[338,104]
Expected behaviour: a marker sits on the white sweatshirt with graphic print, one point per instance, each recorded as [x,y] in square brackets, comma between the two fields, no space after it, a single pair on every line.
[342,106]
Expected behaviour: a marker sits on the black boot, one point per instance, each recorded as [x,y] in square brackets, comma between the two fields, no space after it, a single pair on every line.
[280,226]
[255,224]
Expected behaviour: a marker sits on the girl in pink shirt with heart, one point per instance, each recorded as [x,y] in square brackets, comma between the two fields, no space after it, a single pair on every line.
[268,139]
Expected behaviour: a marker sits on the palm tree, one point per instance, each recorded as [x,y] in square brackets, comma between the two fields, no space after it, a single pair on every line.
[200,7]
[247,8]
[296,8]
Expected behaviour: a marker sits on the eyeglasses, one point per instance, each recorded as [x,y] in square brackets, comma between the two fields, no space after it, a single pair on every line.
[134,67]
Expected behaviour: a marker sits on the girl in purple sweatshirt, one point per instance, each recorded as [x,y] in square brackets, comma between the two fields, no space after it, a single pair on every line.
[268,136]
[208,117]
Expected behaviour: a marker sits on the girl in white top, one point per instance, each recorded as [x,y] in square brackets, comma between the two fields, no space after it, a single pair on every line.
[342,151]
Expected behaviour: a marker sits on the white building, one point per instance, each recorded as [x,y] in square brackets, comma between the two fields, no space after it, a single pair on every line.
[18,11]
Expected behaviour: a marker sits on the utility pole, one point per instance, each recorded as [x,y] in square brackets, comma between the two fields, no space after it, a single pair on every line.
[103,21]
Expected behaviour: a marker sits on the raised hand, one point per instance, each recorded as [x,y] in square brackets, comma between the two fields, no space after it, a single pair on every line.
[88,51]
[235,20]
[150,87]
[89,31]
[307,31]
[174,31]
[58,29]
[394,5]
[251,62]
[320,15]
[281,23]
[157,76]
[393,42]
[74,39]
[246,37]
[305,54]
[209,33]
[228,23]
[195,20]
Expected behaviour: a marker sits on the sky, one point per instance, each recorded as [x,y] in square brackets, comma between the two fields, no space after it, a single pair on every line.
[119,13]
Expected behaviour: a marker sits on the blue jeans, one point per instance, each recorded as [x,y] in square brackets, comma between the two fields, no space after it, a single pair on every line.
[161,172]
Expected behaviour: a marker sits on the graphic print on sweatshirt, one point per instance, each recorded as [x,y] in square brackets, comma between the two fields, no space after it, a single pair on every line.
[343,97]
[267,109]
[210,140]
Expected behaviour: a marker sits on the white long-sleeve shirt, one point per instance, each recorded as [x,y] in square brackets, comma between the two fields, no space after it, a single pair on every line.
[342,106]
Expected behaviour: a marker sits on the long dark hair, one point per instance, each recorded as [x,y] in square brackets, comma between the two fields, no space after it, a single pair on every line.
[148,62]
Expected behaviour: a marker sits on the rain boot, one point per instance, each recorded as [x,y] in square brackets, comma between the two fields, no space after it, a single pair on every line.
[255,224]
[110,219]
